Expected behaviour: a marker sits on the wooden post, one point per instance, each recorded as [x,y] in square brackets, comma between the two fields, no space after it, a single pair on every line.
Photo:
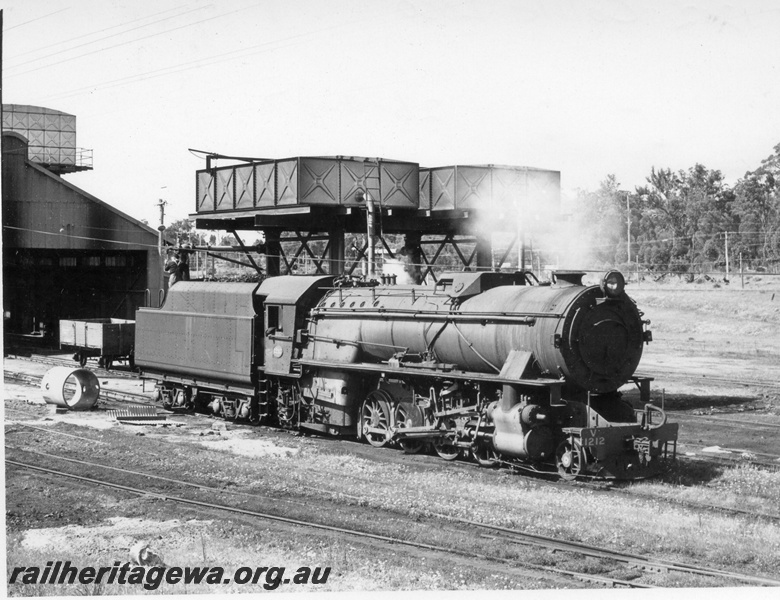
[741,271]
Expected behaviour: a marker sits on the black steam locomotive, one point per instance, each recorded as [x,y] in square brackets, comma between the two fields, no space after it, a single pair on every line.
[491,365]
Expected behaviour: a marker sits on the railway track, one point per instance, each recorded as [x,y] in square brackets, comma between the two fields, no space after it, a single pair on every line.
[634,560]
[503,534]
[56,361]
[346,531]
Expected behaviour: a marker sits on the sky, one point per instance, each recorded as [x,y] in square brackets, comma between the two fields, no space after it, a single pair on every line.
[588,88]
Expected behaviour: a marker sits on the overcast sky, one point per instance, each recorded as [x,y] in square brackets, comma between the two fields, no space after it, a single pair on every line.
[586,88]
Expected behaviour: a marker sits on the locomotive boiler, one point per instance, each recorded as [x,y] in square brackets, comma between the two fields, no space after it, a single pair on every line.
[490,365]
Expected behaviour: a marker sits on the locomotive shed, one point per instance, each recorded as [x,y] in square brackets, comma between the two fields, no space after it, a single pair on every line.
[66,253]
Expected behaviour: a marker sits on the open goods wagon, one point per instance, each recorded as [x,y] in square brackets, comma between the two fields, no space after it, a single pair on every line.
[108,339]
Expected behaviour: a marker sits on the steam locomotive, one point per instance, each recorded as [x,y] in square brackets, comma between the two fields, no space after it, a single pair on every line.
[495,366]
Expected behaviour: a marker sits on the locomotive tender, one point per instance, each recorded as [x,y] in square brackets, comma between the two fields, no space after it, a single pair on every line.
[490,364]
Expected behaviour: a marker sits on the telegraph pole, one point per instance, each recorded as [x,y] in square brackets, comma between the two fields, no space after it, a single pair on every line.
[628,230]
[727,256]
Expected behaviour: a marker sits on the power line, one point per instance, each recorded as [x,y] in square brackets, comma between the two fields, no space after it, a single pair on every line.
[79,237]
[172,70]
[100,39]
[186,66]
[133,41]
[37,19]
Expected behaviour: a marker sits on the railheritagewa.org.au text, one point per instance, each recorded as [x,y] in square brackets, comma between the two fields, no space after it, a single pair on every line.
[64,573]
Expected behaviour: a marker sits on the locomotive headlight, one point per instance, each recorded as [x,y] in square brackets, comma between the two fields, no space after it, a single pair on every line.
[613,284]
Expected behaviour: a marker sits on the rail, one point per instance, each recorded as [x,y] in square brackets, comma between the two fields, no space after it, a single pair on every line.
[496,532]
[307,523]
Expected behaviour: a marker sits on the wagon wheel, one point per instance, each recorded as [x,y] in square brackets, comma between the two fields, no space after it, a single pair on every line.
[570,459]
[485,456]
[405,417]
[375,418]
[167,399]
[82,359]
[131,361]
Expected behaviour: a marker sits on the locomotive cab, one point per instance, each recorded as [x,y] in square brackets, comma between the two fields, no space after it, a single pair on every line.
[286,301]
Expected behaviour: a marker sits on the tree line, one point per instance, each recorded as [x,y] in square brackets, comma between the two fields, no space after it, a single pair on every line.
[682,221]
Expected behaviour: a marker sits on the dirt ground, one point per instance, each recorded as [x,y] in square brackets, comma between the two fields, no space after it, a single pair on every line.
[716,351]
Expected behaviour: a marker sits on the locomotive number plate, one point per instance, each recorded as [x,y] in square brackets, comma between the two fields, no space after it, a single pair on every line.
[592,438]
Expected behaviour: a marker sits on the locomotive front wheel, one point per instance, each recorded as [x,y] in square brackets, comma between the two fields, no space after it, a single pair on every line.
[570,460]
[404,417]
[446,449]
[375,419]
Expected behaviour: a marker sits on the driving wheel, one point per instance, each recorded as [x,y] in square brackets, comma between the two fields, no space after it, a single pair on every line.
[375,419]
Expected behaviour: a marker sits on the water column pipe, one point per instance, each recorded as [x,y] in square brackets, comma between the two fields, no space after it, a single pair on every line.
[370,227]
[365,196]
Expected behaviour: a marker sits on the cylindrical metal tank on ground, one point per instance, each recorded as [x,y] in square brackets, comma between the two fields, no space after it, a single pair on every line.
[75,389]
